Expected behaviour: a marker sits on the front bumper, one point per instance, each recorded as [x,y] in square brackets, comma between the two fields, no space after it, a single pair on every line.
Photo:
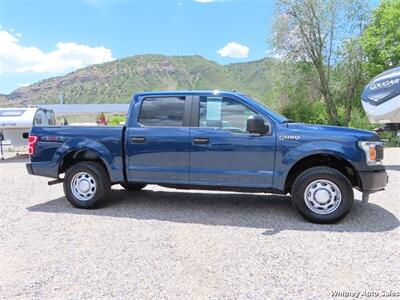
[373,181]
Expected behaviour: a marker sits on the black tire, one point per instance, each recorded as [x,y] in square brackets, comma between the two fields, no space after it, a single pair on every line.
[133,186]
[97,174]
[322,174]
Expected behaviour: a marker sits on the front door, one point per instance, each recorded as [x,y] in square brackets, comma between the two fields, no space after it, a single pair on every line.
[157,144]
[223,152]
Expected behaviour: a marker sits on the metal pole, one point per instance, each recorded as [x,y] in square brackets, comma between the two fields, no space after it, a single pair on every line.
[398,138]
[1,144]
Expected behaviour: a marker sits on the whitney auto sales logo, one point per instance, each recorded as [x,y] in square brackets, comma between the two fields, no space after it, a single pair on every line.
[365,294]
[384,84]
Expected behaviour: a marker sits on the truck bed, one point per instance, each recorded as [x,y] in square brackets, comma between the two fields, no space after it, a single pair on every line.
[55,143]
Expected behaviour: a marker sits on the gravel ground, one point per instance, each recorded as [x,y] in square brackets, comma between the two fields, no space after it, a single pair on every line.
[164,243]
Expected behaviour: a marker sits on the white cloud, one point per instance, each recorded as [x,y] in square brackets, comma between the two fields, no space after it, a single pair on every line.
[234,50]
[15,58]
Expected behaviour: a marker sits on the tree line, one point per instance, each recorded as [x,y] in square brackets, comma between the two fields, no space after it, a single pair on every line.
[330,49]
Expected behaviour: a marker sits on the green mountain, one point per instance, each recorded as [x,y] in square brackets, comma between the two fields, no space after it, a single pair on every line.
[116,81]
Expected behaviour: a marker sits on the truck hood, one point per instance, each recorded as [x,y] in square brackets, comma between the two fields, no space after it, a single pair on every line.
[332,131]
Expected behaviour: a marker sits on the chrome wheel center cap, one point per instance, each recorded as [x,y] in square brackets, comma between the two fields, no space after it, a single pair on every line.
[322,196]
[84,186]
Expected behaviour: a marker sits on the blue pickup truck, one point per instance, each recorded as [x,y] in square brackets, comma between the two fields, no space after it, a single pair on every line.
[212,140]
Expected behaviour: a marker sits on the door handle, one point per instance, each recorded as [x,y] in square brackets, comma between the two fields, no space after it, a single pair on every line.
[200,141]
[138,139]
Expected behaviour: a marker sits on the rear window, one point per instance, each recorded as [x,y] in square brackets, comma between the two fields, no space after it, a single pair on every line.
[162,111]
[40,118]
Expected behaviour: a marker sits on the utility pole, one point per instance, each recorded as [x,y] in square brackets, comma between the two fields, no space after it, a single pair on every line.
[61,97]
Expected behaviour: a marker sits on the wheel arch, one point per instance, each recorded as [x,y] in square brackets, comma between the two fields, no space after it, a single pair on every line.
[77,149]
[77,155]
[323,159]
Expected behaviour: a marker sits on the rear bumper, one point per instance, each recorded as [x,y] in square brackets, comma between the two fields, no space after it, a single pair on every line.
[373,181]
[29,168]
[42,169]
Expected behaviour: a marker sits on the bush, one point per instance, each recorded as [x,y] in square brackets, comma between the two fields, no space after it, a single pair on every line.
[117,119]
[313,113]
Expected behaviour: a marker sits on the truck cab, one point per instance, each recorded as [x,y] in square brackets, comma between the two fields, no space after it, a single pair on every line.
[212,140]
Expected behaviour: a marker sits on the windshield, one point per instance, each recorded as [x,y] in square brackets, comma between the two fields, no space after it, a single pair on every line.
[267,110]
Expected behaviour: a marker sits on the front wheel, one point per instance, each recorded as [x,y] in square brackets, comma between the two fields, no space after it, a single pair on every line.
[322,195]
[86,184]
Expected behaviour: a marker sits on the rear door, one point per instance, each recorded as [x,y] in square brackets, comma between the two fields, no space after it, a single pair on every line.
[157,141]
[223,152]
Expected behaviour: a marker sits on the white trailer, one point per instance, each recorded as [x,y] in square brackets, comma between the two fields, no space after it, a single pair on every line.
[15,123]
[381,99]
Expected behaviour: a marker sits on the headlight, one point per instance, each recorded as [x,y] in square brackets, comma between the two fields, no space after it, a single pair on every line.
[373,152]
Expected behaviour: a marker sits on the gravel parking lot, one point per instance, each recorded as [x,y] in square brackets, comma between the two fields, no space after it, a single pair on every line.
[164,243]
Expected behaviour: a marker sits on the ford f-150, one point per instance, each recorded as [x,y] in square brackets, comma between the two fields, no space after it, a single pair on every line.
[212,140]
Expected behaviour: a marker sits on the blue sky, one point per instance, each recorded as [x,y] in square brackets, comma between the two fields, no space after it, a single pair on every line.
[40,39]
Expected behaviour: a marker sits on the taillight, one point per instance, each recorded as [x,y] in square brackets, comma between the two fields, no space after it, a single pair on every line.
[32,141]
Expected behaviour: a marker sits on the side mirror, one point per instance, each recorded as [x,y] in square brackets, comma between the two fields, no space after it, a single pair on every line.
[256,125]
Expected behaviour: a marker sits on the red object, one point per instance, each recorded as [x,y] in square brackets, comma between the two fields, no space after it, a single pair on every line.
[102,119]
[32,141]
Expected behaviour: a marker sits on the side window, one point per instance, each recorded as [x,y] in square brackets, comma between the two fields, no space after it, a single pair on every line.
[162,111]
[223,112]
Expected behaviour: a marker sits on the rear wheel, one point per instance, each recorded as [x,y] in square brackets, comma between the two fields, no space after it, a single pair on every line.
[322,195]
[86,184]
[133,186]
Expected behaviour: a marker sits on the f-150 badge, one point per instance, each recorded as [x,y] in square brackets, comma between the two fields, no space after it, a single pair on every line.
[289,137]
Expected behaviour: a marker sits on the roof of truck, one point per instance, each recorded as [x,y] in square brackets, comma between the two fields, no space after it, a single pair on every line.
[277,117]
[214,92]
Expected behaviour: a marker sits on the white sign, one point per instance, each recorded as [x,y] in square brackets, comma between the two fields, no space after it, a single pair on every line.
[214,109]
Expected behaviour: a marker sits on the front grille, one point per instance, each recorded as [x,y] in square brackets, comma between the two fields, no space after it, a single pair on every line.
[379,152]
